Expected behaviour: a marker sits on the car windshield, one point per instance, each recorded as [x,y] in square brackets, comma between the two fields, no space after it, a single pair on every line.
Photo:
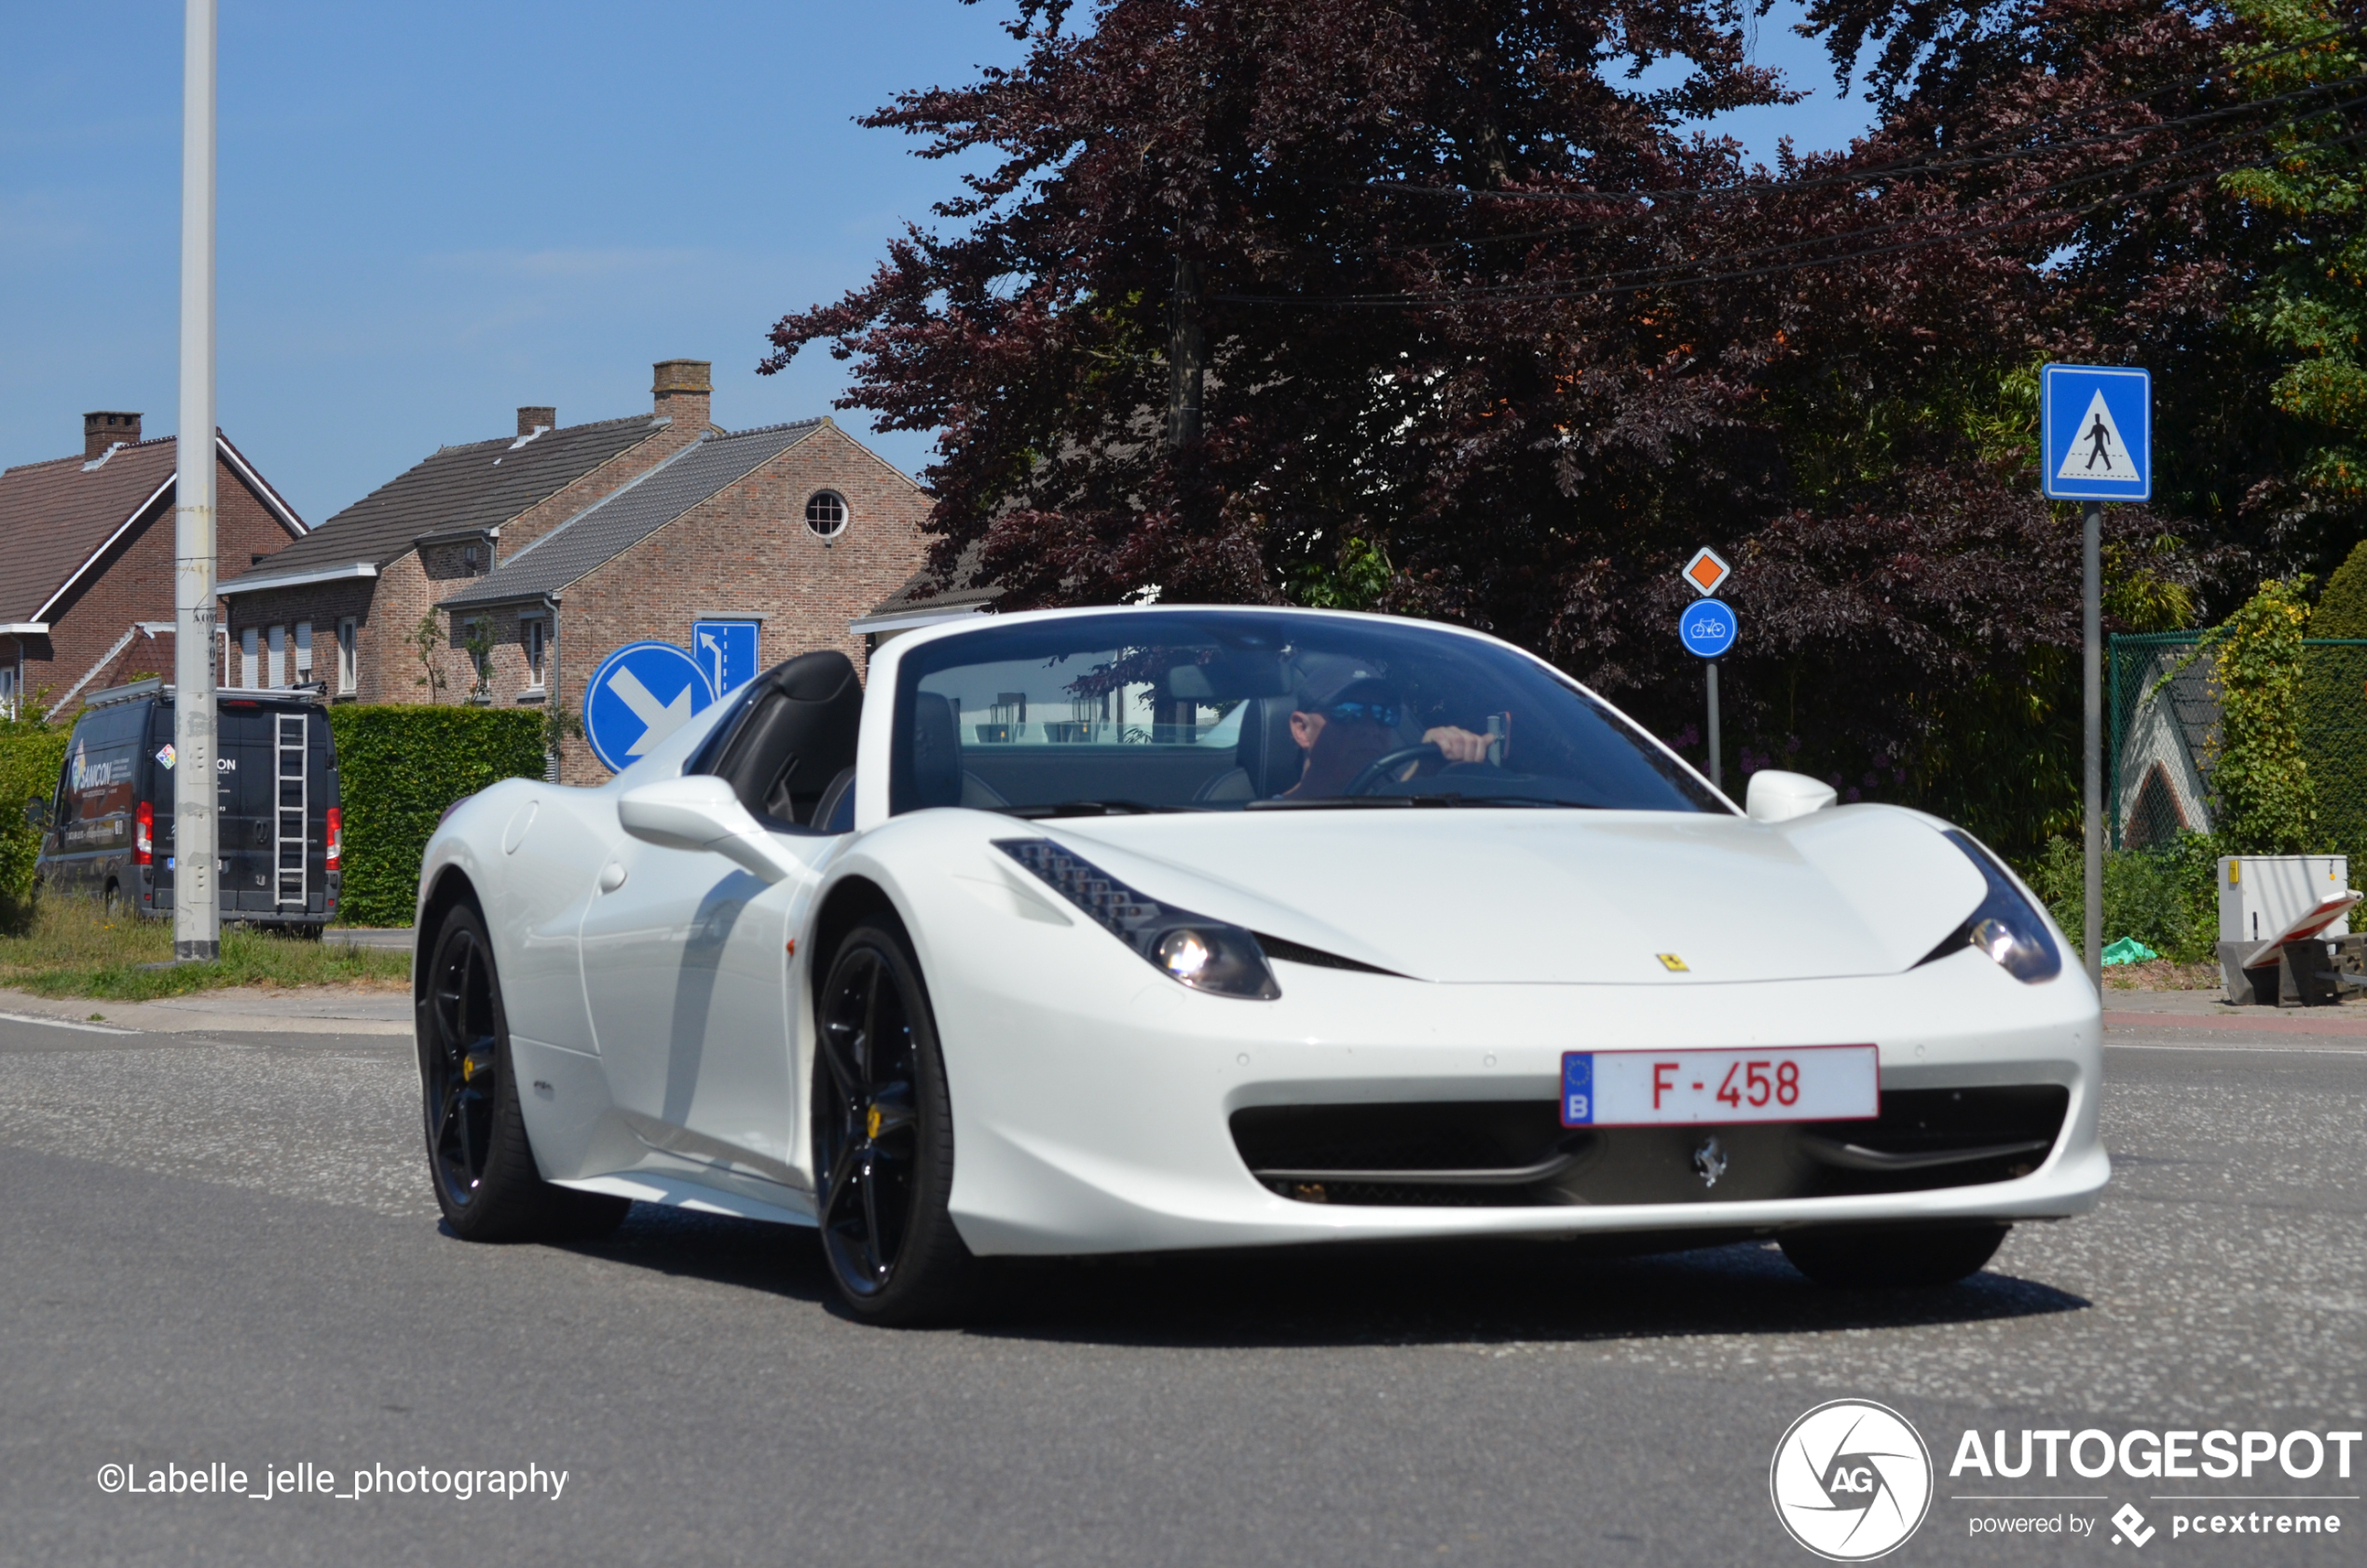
[1257,710]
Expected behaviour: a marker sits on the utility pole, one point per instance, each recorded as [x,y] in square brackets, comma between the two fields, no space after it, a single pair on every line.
[1187,356]
[2092,614]
[196,914]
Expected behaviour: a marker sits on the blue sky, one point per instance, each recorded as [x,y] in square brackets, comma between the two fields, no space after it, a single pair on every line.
[431,213]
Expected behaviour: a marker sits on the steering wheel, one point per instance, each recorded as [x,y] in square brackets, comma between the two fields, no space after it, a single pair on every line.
[1380,768]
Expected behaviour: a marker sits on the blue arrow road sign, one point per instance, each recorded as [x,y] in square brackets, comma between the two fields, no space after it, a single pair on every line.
[2098,427]
[1708,627]
[639,695]
[726,651]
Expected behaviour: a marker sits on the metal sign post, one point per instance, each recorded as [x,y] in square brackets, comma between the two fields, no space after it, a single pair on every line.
[2098,446]
[197,912]
[1707,629]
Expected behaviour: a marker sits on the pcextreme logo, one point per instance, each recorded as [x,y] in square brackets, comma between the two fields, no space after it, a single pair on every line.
[1851,1480]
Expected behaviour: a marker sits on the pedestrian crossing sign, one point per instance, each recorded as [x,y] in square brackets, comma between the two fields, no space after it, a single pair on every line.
[2098,424]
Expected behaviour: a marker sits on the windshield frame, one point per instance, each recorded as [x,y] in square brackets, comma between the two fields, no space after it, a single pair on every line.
[895,675]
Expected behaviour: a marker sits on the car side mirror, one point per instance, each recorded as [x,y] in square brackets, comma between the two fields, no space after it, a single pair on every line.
[36,811]
[1775,796]
[700,812]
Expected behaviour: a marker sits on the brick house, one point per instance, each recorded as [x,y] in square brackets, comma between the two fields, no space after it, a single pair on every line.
[344,606]
[798,529]
[85,581]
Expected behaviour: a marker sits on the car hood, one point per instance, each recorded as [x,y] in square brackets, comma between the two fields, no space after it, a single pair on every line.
[1549,895]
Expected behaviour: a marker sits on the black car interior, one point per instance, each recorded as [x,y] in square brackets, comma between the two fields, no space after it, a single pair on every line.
[791,747]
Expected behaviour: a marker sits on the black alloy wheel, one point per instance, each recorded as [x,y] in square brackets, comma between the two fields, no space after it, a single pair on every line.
[478,1150]
[884,1140]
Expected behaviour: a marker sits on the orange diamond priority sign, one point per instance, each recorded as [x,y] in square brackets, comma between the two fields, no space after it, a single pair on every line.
[1706,571]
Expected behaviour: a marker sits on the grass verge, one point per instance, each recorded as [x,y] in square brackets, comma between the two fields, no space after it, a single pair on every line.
[75,948]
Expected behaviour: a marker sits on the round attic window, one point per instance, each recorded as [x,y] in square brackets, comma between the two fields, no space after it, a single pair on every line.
[825,514]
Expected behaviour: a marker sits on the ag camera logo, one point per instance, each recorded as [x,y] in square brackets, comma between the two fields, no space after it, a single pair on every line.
[1851,1480]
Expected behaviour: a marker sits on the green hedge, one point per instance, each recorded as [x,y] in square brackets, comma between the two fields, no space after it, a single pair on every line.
[31,753]
[399,767]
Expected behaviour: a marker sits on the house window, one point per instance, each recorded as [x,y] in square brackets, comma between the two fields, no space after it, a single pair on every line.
[534,632]
[303,651]
[348,676]
[249,660]
[276,664]
[8,690]
[825,514]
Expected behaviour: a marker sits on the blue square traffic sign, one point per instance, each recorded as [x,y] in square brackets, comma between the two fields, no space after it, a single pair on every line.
[2096,425]
[726,652]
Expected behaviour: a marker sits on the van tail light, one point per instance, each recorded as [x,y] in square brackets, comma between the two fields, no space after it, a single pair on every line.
[144,835]
[337,837]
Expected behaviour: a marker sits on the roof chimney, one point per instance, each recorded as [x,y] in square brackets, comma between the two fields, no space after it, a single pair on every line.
[103,429]
[533,419]
[682,389]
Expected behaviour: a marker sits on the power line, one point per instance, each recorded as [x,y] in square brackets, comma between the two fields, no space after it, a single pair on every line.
[1884,174]
[1667,271]
[1548,295]
[1875,173]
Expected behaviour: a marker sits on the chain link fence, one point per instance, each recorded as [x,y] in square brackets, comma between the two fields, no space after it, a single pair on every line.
[2162,706]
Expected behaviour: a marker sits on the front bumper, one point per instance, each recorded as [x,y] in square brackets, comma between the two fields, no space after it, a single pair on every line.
[1096,1115]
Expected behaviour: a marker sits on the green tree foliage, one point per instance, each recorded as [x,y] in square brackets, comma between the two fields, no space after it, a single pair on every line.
[2335,709]
[2314,305]
[399,766]
[2266,801]
[2342,609]
[1484,328]
[31,753]
[424,640]
[2167,898]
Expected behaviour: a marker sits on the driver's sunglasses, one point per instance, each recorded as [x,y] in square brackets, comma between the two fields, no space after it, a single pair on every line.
[1383,714]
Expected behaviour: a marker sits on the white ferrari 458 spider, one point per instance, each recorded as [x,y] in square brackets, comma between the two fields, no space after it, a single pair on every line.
[1158,928]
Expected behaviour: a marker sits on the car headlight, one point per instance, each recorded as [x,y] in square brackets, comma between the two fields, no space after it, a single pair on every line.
[1204,954]
[2006,927]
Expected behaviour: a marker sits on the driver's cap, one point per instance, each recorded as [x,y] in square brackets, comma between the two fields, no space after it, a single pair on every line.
[1326,678]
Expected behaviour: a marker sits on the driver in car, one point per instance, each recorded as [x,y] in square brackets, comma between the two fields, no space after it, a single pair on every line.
[1345,719]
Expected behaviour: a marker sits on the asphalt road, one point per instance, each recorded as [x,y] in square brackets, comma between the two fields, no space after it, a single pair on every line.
[223,1249]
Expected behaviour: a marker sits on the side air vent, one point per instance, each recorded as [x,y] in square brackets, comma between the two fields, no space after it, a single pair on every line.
[1294,952]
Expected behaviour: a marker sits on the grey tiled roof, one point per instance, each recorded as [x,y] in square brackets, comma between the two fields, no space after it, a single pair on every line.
[482,485]
[601,533]
[965,588]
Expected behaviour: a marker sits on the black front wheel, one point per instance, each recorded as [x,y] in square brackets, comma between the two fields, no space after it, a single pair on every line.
[884,1140]
[478,1151]
[1893,1257]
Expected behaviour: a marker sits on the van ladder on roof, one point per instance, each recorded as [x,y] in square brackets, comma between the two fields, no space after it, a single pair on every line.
[293,733]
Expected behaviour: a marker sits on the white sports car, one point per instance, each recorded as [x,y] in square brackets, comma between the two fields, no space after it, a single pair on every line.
[1158,928]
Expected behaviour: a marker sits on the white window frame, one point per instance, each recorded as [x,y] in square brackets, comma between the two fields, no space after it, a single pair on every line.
[534,640]
[276,657]
[250,656]
[349,667]
[303,651]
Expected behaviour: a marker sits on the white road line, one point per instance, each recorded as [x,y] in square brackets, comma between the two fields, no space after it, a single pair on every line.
[2241,1047]
[65,1023]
